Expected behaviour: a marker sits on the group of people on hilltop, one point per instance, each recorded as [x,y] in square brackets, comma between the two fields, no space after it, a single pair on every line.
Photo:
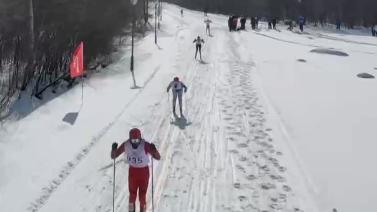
[236,23]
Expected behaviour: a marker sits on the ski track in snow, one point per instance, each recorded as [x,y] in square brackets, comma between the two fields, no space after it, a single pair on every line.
[233,143]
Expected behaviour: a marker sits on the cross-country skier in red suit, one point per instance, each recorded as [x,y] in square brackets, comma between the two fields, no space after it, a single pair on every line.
[136,150]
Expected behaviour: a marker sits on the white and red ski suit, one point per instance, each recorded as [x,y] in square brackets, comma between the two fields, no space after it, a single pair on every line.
[138,175]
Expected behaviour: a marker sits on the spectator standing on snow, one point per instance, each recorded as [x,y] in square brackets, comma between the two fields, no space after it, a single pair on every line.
[230,23]
[178,88]
[181,12]
[198,43]
[374,32]
[136,151]
[243,23]
[290,25]
[253,23]
[338,23]
[208,27]
[235,23]
[301,22]
[205,11]
[274,21]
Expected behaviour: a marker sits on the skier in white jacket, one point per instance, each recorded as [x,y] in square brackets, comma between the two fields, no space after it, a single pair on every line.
[177,88]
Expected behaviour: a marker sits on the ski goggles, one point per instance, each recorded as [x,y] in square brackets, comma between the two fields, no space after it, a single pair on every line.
[135,140]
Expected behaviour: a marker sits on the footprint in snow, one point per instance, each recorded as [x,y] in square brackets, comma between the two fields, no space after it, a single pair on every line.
[276,206]
[231,138]
[242,145]
[283,197]
[230,128]
[278,178]
[282,169]
[241,168]
[242,198]
[251,177]
[287,188]
[237,185]
[234,151]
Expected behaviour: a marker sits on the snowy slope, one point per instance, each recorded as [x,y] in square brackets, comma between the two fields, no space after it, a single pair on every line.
[263,131]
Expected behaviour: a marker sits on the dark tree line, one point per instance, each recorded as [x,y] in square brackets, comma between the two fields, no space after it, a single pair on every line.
[37,38]
[350,12]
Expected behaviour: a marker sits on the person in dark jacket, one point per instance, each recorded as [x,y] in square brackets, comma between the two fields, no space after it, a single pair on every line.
[274,21]
[230,23]
[301,22]
[253,23]
[338,23]
[374,32]
[243,23]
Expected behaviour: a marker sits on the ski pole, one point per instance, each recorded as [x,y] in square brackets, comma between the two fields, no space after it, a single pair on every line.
[152,188]
[169,101]
[114,187]
[114,148]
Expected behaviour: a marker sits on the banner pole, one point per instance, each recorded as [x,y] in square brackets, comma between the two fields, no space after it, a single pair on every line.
[82,89]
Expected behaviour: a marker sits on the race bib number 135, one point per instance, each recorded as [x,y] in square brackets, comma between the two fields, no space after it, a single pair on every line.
[134,160]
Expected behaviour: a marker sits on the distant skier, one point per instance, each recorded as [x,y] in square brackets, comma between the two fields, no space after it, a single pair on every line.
[177,88]
[181,12]
[198,41]
[136,151]
[301,22]
[208,26]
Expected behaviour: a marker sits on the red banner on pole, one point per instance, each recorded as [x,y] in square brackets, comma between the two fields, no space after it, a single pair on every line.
[77,62]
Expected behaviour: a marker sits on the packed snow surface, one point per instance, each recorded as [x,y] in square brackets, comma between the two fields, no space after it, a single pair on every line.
[269,126]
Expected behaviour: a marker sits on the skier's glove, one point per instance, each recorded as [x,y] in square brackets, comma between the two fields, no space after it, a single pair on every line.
[153,148]
[114,146]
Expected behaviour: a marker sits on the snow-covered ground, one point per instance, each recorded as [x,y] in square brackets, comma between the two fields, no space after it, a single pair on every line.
[263,130]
